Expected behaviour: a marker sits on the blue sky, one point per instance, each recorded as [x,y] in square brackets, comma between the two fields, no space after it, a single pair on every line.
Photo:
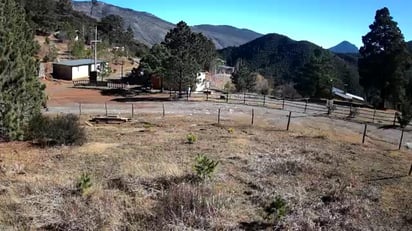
[324,22]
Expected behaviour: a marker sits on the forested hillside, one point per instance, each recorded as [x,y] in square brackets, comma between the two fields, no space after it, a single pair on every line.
[283,60]
[47,17]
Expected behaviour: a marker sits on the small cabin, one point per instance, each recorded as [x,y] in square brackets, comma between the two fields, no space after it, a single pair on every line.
[74,69]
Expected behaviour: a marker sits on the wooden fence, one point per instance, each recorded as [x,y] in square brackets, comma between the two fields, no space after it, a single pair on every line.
[353,112]
[108,84]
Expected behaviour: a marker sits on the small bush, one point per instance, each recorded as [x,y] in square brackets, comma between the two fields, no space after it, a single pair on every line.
[60,130]
[188,205]
[84,183]
[191,138]
[353,112]
[405,116]
[231,130]
[277,209]
[205,167]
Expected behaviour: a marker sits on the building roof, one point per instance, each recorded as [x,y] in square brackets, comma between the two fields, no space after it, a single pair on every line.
[77,62]
[345,95]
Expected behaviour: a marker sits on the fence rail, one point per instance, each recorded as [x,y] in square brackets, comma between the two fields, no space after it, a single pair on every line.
[224,114]
[108,84]
[354,112]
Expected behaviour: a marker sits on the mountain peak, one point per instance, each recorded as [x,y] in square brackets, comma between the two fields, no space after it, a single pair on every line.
[344,47]
[150,29]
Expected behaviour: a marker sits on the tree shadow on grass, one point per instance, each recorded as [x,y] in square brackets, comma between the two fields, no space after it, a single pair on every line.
[141,99]
[117,92]
[255,225]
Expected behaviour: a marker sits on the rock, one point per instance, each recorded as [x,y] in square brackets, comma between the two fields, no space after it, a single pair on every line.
[408,145]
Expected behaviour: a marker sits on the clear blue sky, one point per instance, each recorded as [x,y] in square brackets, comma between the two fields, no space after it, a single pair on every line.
[324,22]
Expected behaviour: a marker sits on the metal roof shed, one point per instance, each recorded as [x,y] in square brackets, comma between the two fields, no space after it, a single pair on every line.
[74,69]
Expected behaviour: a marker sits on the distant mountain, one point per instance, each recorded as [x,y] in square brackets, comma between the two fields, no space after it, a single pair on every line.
[150,29]
[147,28]
[281,58]
[226,36]
[344,47]
[409,45]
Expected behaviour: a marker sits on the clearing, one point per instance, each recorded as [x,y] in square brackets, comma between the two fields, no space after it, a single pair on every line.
[143,179]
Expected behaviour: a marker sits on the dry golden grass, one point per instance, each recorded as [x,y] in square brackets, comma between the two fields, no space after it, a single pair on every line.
[142,175]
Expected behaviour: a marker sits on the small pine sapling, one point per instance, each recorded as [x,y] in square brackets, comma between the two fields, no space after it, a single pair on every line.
[204,167]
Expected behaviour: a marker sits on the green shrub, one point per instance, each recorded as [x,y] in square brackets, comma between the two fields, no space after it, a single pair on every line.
[204,166]
[84,183]
[231,130]
[405,116]
[52,131]
[191,138]
[276,209]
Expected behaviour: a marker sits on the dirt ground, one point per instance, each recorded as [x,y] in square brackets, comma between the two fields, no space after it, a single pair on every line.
[63,93]
[142,179]
[317,176]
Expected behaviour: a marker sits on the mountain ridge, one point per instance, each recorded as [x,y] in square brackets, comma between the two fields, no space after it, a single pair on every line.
[281,58]
[150,29]
[345,47]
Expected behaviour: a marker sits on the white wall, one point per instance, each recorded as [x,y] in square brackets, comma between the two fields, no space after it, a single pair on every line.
[80,72]
[201,82]
[92,66]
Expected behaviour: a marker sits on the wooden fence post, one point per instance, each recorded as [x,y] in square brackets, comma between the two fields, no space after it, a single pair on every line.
[207,95]
[164,112]
[290,115]
[244,98]
[306,106]
[264,100]
[218,116]
[132,110]
[394,119]
[410,170]
[400,142]
[80,109]
[105,107]
[283,104]
[364,133]
[227,97]
[253,116]
[374,115]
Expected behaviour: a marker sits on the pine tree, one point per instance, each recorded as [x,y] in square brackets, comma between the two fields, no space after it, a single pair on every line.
[316,77]
[189,54]
[384,61]
[243,78]
[21,93]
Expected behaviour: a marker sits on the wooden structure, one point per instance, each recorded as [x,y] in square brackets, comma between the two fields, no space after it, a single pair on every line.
[110,119]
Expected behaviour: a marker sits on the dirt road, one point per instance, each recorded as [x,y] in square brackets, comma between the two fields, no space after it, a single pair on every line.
[320,123]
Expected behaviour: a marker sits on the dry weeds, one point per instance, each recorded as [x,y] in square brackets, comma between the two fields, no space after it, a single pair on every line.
[142,175]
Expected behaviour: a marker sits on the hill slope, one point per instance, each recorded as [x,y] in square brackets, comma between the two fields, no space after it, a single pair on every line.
[226,36]
[280,58]
[147,28]
[344,48]
[150,29]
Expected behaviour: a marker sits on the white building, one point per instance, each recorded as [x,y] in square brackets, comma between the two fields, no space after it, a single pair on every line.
[201,84]
[74,69]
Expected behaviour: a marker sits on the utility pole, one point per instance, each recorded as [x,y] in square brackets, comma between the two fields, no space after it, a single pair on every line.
[94,42]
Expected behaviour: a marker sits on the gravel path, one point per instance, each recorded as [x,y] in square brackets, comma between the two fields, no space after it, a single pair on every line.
[277,118]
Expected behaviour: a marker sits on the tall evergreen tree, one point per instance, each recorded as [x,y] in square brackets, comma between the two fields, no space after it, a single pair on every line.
[21,93]
[154,62]
[189,54]
[243,78]
[317,76]
[384,61]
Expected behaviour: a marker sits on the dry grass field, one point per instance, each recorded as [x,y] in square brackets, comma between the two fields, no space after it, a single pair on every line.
[142,178]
